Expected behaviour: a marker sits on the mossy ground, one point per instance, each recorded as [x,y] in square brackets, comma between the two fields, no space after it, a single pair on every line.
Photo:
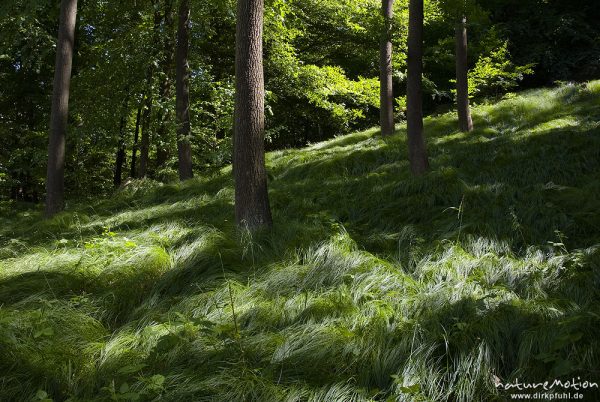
[373,284]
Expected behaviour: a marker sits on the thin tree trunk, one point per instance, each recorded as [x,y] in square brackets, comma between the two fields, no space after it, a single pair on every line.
[386,116]
[147,113]
[120,159]
[184,148]
[145,147]
[465,122]
[60,108]
[121,155]
[164,114]
[252,209]
[417,151]
[136,139]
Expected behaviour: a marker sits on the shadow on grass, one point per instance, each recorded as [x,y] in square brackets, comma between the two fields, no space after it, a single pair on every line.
[515,180]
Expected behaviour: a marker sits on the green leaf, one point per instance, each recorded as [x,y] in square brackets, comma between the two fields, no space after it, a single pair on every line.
[411,389]
[48,331]
[132,368]
[156,382]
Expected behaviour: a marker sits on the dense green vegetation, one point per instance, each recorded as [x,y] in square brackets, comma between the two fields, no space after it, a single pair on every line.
[372,285]
[321,72]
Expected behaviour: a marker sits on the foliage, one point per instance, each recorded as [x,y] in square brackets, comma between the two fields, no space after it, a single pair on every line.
[373,285]
[326,92]
[496,73]
[560,37]
[321,67]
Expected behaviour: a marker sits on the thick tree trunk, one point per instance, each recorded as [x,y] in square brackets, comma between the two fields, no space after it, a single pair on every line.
[147,113]
[136,139]
[164,114]
[60,108]
[386,116]
[184,147]
[465,122]
[417,151]
[252,209]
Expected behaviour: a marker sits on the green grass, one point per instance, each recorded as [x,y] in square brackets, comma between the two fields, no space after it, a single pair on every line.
[372,286]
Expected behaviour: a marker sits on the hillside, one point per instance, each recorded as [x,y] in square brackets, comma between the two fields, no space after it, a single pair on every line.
[373,285]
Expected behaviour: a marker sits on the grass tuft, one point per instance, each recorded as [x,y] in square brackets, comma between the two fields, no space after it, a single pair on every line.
[373,285]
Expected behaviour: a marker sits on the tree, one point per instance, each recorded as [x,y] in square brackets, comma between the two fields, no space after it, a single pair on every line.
[417,152]
[164,112]
[386,108]
[465,123]
[252,209]
[184,146]
[121,149]
[136,138]
[60,108]
[148,99]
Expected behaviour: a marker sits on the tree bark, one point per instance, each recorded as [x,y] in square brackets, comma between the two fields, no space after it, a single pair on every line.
[184,147]
[417,151]
[147,113]
[164,114]
[121,155]
[145,146]
[386,109]
[465,123]
[252,209]
[136,138]
[120,158]
[60,108]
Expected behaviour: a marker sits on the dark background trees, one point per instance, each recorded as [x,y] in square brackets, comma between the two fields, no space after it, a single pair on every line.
[183,92]
[321,63]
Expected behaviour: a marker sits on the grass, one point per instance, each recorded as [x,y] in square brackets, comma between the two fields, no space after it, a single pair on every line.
[372,286]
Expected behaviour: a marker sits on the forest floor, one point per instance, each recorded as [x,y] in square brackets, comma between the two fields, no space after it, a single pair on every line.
[373,285]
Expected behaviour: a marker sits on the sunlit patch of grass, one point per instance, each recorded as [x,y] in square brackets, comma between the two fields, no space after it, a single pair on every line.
[373,285]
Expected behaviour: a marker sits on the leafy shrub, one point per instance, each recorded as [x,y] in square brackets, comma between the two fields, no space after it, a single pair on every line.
[495,73]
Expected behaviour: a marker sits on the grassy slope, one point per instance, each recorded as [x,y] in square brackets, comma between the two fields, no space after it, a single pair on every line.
[372,285]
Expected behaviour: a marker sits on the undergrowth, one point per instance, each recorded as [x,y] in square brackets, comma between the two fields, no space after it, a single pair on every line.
[373,285]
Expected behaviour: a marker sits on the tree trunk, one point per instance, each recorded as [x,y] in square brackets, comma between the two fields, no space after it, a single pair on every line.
[184,148]
[252,209]
[147,114]
[120,157]
[417,151]
[465,122]
[145,147]
[164,114]
[136,139]
[386,116]
[60,108]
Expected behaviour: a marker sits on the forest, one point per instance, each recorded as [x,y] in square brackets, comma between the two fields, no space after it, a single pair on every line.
[299,200]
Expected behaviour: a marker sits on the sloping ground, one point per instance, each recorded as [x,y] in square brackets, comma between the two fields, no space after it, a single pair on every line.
[373,285]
